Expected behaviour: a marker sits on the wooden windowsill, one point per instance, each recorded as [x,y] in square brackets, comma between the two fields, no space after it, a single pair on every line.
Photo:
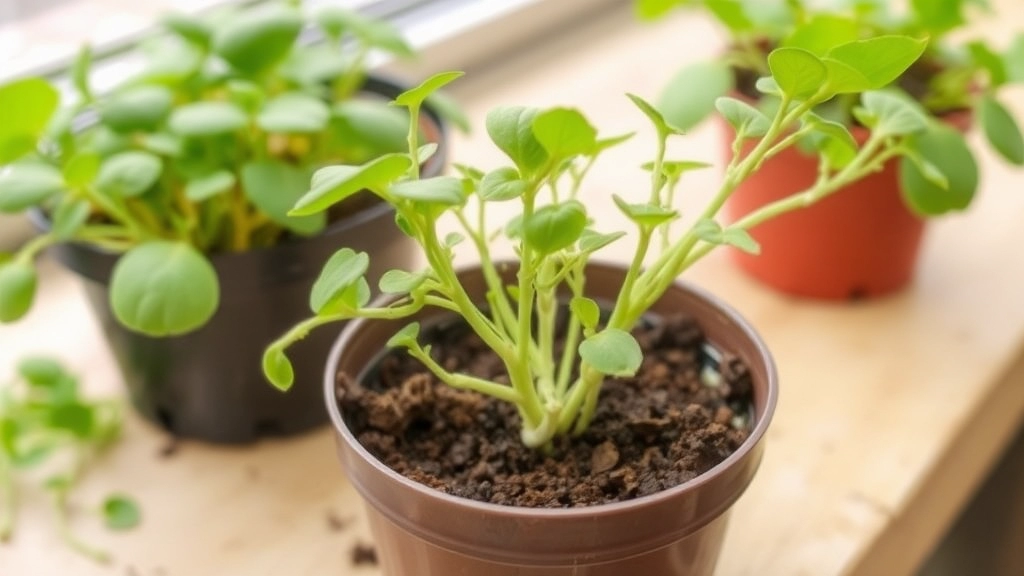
[891,411]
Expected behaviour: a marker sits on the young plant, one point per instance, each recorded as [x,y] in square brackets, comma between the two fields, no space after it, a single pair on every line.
[551,151]
[952,75]
[50,433]
[202,152]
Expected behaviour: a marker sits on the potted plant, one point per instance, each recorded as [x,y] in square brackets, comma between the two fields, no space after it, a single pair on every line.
[554,415]
[864,243]
[170,194]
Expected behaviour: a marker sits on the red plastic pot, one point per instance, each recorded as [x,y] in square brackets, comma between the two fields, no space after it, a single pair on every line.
[420,531]
[860,242]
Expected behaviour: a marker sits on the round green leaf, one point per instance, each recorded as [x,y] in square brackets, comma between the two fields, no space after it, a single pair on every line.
[511,129]
[141,108]
[82,169]
[333,184]
[17,289]
[555,226]
[121,513]
[41,371]
[1002,130]
[880,60]
[406,337]
[191,28]
[26,184]
[163,288]
[613,352]
[372,126]
[203,119]
[294,112]
[502,184]
[749,122]
[342,271]
[69,216]
[799,73]
[274,187]
[278,368]
[944,148]
[401,282]
[691,93]
[823,31]
[209,185]
[564,133]
[27,105]
[442,190]
[129,174]
[258,38]
[889,114]
[587,310]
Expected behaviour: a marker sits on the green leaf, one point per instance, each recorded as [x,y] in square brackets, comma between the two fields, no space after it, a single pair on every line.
[69,217]
[731,13]
[591,241]
[938,15]
[402,282]
[81,169]
[612,141]
[190,28]
[443,190]
[588,312]
[371,125]
[749,122]
[880,60]
[333,184]
[654,9]
[40,371]
[555,226]
[205,119]
[453,239]
[162,143]
[740,238]
[121,513]
[1002,130]
[277,368]
[674,169]
[654,115]
[129,174]
[258,38]
[832,130]
[888,114]
[822,32]
[449,109]
[414,97]
[844,79]
[163,288]
[511,129]
[27,184]
[406,337]
[945,148]
[501,185]
[248,96]
[294,112]
[613,352]
[17,289]
[708,231]
[72,416]
[1013,59]
[35,101]
[768,86]
[645,215]
[137,109]
[799,73]
[342,271]
[213,184]
[564,133]
[993,63]
[80,72]
[274,187]
[930,171]
[374,33]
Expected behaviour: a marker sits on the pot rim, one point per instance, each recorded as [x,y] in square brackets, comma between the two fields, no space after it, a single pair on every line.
[350,332]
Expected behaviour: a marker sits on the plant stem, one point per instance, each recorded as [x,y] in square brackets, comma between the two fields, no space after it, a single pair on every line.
[464,381]
[239,222]
[547,309]
[64,527]
[7,498]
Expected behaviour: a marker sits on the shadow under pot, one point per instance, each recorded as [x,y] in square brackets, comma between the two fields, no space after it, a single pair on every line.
[861,242]
[208,384]
[672,531]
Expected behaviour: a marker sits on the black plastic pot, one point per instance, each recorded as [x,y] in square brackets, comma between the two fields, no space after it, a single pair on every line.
[208,384]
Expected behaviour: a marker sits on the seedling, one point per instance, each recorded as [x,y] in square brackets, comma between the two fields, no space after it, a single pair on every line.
[203,152]
[49,433]
[951,76]
[551,152]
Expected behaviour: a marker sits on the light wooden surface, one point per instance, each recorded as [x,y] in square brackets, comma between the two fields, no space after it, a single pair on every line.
[891,411]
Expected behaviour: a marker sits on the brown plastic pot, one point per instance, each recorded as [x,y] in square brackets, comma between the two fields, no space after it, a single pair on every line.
[420,531]
[860,242]
[208,384]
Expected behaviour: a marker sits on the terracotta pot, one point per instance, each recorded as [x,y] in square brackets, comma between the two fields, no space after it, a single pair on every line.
[208,384]
[861,242]
[420,531]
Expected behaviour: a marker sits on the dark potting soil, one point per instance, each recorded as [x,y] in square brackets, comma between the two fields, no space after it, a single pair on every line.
[651,432]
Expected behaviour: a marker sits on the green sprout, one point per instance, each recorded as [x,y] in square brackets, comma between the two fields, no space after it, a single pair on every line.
[550,153]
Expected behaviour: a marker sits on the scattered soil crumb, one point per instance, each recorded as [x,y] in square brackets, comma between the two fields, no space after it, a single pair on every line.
[252,472]
[170,449]
[336,523]
[364,555]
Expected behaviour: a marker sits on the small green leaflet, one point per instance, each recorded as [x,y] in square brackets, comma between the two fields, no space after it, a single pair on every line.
[613,352]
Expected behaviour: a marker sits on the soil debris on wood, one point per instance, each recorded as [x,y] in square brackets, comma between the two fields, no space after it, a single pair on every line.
[336,523]
[170,448]
[651,432]
[364,554]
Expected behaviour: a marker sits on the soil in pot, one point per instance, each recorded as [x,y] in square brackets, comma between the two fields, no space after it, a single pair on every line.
[670,423]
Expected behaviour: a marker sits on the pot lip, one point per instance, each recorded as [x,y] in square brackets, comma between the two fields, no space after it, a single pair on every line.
[374,84]
[760,428]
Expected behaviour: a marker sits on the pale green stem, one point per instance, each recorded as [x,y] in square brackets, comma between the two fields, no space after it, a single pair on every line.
[465,381]
[7,498]
[547,309]
[572,338]
[504,317]
[64,527]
